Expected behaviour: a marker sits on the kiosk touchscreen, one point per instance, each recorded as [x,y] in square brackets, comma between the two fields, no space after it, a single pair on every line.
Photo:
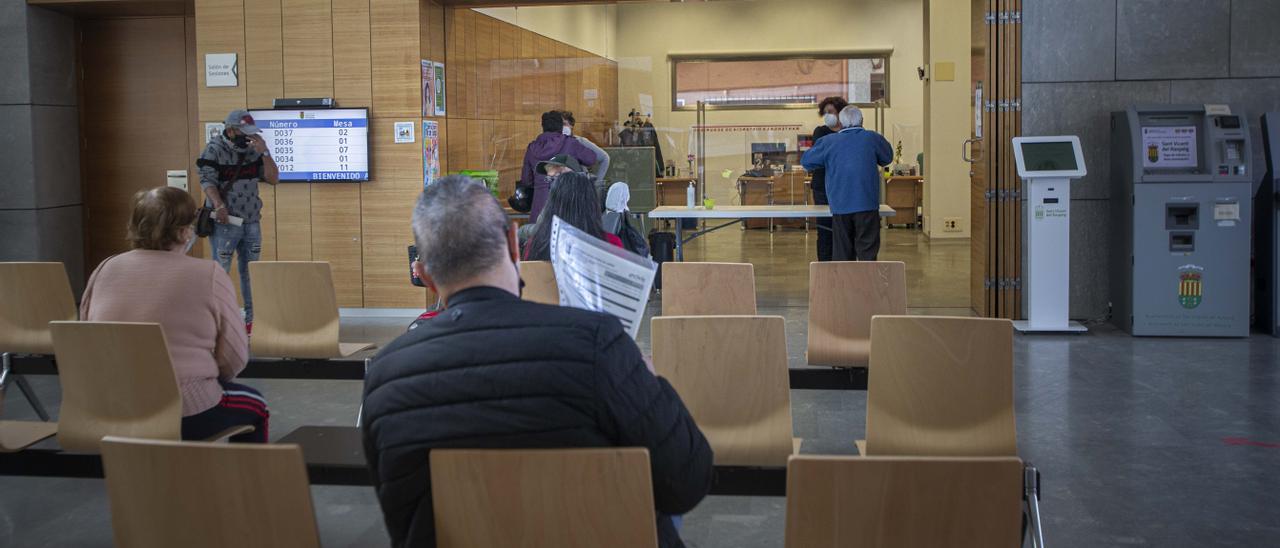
[1047,165]
[1182,188]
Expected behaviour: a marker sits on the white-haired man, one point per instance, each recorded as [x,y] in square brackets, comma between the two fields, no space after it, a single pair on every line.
[852,160]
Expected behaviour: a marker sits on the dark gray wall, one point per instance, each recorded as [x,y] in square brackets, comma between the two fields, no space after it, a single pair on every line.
[40,204]
[1082,59]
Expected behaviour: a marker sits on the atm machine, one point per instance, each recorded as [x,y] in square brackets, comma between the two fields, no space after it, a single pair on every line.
[1266,232]
[1181,202]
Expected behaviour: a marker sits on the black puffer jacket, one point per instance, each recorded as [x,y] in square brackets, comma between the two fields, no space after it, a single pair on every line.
[493,371]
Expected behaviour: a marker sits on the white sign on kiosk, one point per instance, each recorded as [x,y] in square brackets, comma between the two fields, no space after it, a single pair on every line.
[1046,166]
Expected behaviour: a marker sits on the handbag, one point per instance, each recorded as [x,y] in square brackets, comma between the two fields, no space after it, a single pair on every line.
[204,216]
[522,199]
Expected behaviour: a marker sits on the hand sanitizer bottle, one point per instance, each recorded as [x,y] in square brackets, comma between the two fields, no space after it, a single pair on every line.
[689,196]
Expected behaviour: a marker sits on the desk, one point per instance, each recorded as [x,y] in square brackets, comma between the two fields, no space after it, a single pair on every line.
[756,191]
[738,213]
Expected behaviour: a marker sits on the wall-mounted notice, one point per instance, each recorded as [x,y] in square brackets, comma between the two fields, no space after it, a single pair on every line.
[430,152]
[428,88]
[646,104]
[439,68]
[211,130]
[404,132]
[220,70]
[1169,147]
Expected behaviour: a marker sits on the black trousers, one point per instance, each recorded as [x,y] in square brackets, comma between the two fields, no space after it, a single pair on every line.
[856,236]
[240,404]
[824,228]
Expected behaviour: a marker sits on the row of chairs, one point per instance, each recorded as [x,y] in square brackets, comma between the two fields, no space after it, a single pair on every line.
[843,297]
[198,494]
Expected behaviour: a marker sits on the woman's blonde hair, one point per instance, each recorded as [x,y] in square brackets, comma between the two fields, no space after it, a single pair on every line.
[159,216]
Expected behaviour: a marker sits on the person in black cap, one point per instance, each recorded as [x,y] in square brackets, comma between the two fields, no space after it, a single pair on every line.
[230,168]
[552,142]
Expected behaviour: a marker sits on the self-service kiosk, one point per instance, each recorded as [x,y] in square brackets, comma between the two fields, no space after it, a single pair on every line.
[1047,164]
[1266,232]
[1181,202]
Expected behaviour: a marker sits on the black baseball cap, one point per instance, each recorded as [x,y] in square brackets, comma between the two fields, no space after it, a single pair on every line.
[559,160]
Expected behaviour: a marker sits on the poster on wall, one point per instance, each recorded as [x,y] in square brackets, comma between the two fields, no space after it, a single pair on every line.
[428,88]
[439,75]
[211,130]
[430,152]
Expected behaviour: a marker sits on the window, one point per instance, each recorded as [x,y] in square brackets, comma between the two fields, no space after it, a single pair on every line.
[791,81]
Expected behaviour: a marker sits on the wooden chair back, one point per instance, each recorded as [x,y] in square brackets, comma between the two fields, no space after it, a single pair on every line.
[543,498]
[31,296]
[941,387]
[206,495]
[731,372]
[117,380]
[708,289]
[295,311]
[539,282]
[882,502]
[843,296]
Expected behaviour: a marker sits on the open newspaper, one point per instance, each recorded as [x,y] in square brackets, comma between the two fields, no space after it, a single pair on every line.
[596,275]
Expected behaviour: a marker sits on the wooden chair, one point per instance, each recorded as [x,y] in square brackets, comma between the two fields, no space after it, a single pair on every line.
[295,311]
[117,380]
[843,296]
[19,435]
[878,502]
[539,283]
[199,495]
[562,498]
[731,372]
[707,289]
[31,296]
[940,387]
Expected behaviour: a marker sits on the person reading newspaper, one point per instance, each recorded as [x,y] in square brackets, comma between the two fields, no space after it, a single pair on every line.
[494,371]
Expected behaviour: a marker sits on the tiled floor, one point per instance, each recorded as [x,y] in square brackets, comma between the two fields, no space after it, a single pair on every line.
[1138,440]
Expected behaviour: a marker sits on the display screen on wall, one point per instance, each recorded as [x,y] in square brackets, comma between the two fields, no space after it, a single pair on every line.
[778,82]
[320,145]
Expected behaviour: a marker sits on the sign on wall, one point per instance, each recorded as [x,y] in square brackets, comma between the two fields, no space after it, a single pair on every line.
[220,70]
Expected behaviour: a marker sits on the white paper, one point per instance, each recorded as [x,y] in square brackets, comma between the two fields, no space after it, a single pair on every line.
[595,275]
[404,132]
[646,104]
[220,70]
[1217,110]
[1169,147]
[176,178]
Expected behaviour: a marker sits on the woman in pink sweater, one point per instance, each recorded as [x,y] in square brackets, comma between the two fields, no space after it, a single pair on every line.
[194,303]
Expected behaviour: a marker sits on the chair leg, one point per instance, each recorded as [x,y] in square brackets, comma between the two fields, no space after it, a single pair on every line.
[34,400]
[1031,497]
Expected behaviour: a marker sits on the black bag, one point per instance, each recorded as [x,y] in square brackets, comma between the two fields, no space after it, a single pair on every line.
[522,199]
[204,215]
[663,247]
[632,239]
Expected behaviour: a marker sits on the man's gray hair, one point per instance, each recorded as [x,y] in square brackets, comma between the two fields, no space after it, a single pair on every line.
[460,229]
[851,116]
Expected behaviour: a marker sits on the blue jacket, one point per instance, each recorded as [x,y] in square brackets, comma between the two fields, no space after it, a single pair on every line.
[851,159]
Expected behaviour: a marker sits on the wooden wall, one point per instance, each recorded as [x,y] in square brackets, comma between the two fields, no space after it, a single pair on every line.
[501,78]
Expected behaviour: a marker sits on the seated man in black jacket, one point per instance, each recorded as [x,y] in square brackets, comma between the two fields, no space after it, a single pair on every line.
[493,371]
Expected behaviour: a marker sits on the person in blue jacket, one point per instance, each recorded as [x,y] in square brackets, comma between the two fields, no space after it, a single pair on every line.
[852,159]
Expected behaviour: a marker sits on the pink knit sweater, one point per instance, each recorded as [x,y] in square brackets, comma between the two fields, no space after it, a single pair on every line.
[194,303]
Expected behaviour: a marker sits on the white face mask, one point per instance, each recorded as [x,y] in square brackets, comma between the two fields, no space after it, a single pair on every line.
[830,120]
[567,131]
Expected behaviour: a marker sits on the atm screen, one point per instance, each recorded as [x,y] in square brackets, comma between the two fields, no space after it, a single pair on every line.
[1170,147]
[1051,156]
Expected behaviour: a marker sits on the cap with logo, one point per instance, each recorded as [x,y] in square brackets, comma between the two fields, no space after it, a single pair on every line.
[241,120]
[563,160]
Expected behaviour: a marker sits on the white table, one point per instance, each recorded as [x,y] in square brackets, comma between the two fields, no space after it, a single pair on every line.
[738,213]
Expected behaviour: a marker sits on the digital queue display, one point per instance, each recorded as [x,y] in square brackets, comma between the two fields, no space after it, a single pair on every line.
[317,145]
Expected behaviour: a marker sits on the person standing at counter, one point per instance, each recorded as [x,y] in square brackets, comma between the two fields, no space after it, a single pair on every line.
[829,109]
[852,160]
[551,142]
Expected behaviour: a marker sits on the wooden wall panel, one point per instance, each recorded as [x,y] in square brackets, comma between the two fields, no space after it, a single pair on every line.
[293,222]
[386,206]
[262,70]
[397,72]
[352,74]
[220,30]
[335,237]
[527,91]
[308,48]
